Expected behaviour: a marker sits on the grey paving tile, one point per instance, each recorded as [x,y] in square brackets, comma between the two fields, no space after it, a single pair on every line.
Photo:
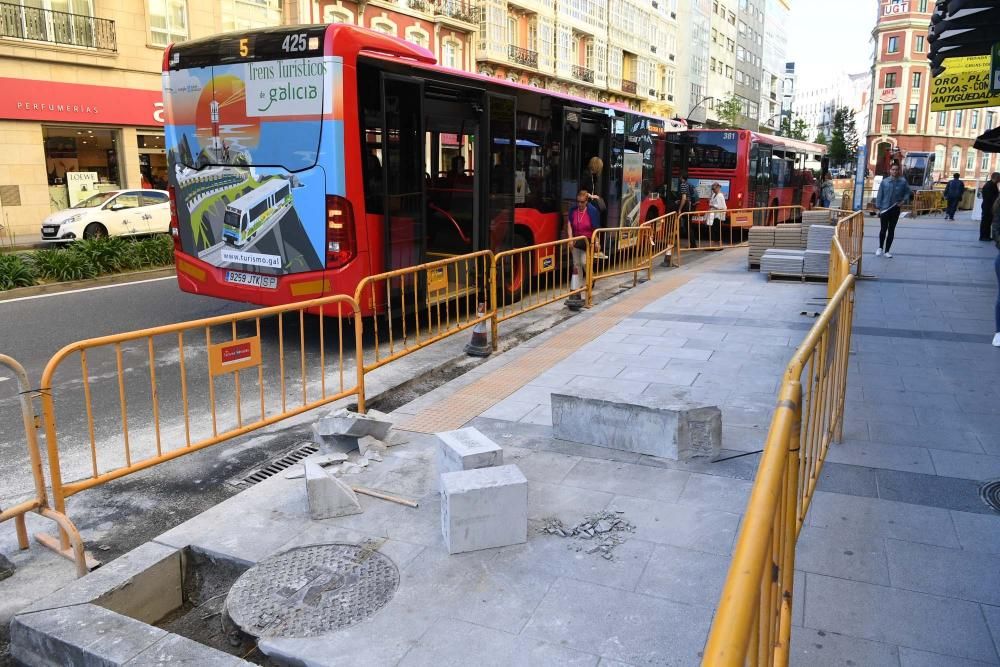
[624,387]
[895,616]
[887,518]
[684,575]
[941,571]
[818,648]
[542,414]
[554,379]
[992,615]
[627,479]
[949,438]
[568,557]
[587,451]
[452,643]
[848,479]
[858,557]
[539,466]
[738,465]
[978,532]
[743,438]
[680,525]
[881,455]
[510,410]
[718,493]
[909,657]
[931,490]
[666,375]
[627,627]
[969,466]
[566,503]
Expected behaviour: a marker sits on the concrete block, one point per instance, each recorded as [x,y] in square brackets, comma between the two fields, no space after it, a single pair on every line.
[368,442]
[82,635]
[328,496]
[484,508]
[334,444]
[467,449]
[344,422]
[6,568]
[177,650]
[668,428]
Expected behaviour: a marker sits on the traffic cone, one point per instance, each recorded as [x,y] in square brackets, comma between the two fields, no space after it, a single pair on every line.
[479,346]
[574,302]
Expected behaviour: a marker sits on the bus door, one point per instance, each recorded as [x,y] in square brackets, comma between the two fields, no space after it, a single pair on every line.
[759,181]
[495,230]
[585,135]
[403,171]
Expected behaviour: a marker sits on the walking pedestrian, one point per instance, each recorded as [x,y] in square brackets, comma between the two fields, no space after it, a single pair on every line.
[990,193]
[582,221]
[892,193]
[683,206]
[953,195]
[995,231]
[826,191]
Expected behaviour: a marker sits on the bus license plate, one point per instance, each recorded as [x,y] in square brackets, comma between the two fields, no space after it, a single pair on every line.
[251,279]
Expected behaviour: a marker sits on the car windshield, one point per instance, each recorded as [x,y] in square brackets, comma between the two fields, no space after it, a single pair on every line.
[95,201]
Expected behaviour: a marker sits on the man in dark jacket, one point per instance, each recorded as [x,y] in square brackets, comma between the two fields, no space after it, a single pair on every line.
[990,193]
[953,194]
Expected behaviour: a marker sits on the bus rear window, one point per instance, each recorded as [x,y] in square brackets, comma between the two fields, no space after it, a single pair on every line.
[711,150]
[262,113]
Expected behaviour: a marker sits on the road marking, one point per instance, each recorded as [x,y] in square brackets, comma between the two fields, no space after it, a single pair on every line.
[87,289]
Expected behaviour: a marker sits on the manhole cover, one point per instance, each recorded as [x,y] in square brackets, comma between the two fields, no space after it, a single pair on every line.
[990,493]
[312,590]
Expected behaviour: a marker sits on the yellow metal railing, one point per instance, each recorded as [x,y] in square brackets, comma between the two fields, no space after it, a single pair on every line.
[616,251]
[664,236]
[731,231]
[524,279]
[753,622]
[248,387]
[423,304]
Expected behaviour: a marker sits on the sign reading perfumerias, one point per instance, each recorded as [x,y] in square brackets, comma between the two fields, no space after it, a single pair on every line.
[965,85]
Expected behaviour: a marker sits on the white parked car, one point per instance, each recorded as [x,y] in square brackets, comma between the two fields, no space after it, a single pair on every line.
[112,213]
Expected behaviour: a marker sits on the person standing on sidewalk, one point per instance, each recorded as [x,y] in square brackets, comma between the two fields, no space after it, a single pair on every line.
[953,195]
[990,193]
[826,193]
[582,221]
[892,193]
[995,231]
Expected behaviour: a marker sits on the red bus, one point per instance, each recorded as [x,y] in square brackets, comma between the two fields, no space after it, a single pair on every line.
[754,170]
[303,159]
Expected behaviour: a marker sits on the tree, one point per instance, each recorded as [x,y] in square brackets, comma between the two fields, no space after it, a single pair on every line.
[793,128]
[821,138]
[844,138]
[730,111]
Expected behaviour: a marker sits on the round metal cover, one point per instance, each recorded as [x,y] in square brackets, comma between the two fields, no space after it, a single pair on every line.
[312,590]
[990,493]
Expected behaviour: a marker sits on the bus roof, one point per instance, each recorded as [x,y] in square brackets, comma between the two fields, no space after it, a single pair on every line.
[351,41]
[269,187]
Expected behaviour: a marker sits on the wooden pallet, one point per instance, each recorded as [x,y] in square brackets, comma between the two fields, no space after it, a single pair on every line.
[803,277]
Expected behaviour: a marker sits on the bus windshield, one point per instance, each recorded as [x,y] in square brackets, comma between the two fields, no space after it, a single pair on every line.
[259,113]
[711,150]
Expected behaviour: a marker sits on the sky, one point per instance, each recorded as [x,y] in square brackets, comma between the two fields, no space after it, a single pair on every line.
[825,37]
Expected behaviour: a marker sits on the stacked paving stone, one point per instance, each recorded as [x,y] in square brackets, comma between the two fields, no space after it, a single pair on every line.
[760,239]
[817,259]
[783,262]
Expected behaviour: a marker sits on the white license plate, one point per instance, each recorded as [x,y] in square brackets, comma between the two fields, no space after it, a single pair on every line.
[251,279]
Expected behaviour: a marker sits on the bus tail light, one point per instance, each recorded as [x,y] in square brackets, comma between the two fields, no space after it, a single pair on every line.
[739,200]
[175,227]
[341,245]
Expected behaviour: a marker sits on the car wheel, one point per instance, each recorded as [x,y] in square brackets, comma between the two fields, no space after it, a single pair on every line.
[95,230]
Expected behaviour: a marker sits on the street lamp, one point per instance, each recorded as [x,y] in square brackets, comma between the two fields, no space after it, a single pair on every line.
[703,100]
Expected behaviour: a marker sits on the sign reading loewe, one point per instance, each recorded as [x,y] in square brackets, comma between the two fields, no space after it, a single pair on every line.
[28,99]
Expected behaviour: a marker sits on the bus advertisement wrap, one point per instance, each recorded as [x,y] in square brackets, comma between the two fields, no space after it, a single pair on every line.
[243,145]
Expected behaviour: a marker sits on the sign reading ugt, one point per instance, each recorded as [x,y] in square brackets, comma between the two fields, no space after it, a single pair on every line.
[298,87]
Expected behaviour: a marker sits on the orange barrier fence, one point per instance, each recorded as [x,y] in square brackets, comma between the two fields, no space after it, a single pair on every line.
[37,503]
[753,623]
[258,368]
[524,279]
[703,232]
[420,305]
[616,251]
[664,234]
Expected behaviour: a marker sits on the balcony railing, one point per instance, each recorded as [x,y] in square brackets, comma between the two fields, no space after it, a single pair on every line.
[456,9]
[45,25]
[629,86]
[524,57]
[583,73]
[886,128]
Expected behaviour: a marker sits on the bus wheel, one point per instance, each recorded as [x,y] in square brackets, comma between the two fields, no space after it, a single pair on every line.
[513,273]
[95,230]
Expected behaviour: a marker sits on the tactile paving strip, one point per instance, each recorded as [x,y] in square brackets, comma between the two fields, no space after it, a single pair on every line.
[312,590]
[472,400]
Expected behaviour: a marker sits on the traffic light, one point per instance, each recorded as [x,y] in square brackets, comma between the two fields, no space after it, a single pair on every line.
[962,28]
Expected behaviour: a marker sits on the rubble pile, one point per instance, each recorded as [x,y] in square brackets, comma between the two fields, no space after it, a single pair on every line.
[604,531]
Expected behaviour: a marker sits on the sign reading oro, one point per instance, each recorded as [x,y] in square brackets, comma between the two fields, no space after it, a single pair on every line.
[965,85]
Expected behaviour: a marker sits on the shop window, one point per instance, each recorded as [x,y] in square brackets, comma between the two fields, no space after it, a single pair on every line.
[92,151]
[152,160]
[168,21]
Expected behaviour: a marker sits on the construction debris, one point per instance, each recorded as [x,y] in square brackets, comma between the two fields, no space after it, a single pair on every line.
[604,531]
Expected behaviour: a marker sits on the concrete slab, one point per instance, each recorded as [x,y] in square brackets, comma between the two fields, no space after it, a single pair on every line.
[679,525]
[882,517]
[177,650]
[909,657]
[466,449]
[627,479]
[683,575]
[817,648]
[941,571]
[978,532]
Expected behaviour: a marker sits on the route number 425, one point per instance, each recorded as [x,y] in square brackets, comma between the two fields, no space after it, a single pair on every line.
[294,43]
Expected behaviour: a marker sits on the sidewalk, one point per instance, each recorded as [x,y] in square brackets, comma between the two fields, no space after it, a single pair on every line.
[899,563]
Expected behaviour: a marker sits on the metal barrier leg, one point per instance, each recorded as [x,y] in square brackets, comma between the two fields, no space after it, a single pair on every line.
[790,527]
[22,532]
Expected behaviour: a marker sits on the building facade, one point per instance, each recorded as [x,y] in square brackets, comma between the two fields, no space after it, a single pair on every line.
[773,63]
[902,120]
